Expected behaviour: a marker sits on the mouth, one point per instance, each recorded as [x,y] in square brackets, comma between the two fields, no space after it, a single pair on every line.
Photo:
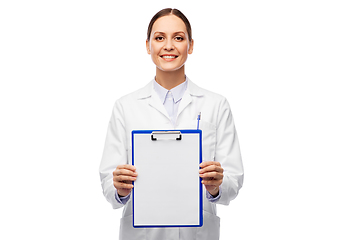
[168,56]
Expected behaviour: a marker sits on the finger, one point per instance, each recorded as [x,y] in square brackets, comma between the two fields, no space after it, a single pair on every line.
[212,182]
[120,185]
[212,168]
[127,166]
[124,172]
[214,175]
[122,178]
[127,172]
[208,163]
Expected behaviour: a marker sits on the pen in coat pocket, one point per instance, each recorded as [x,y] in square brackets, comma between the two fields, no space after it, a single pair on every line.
[198,118]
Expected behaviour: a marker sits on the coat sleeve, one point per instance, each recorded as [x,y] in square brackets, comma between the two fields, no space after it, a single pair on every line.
[114,154]
[227,152]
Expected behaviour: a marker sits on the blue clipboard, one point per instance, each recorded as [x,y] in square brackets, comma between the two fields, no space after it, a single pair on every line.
[168,190]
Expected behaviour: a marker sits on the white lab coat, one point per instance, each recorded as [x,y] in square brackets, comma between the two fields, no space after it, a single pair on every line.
[143,110]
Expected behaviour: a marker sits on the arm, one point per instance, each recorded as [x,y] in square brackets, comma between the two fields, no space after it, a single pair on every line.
[115,153]
[227,153]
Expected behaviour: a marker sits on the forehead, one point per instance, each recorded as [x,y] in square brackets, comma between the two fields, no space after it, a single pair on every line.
[169,24]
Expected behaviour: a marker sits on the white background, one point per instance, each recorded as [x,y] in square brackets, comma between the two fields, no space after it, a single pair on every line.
[290,70]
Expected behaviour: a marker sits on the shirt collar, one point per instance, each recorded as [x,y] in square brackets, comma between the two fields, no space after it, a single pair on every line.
[177,92]
[149,89]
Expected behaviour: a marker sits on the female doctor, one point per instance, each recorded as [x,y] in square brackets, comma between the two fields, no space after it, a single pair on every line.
[172,101]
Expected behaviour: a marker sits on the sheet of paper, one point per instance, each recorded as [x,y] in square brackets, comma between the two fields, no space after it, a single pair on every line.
[167,189]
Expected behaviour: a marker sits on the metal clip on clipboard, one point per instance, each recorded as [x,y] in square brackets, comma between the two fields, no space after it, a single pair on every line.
[178,138]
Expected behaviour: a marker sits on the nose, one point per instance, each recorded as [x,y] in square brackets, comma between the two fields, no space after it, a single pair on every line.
[168,45]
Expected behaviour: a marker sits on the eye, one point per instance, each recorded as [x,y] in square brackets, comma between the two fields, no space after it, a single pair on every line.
[159,38]
[179,38]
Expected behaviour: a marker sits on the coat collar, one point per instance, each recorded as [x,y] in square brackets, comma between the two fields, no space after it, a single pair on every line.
[177,92]
[148,93]
[148,90]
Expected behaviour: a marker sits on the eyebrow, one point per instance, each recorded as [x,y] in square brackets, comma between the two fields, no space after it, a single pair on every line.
[173,33]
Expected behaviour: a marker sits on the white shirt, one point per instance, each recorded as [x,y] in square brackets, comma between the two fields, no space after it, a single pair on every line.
[171,98]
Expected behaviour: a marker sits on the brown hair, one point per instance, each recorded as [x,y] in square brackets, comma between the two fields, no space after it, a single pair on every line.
[166,12]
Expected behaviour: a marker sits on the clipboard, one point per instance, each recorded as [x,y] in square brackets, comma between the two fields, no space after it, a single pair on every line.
[168,190]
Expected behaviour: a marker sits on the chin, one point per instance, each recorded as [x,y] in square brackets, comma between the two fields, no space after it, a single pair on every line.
[170,68]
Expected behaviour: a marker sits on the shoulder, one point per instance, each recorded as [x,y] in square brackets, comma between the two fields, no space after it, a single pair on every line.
[206,94]
[214,107]
[143,92]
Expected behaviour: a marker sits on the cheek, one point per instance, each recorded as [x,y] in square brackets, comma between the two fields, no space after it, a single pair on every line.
[183,49]
[154,49]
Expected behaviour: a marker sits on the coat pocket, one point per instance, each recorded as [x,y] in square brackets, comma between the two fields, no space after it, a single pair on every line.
[209,140]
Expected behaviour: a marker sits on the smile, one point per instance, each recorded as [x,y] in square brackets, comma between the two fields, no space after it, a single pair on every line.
[168,56]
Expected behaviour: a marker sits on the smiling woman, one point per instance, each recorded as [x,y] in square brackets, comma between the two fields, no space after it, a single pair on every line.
[171,101]
[169,44]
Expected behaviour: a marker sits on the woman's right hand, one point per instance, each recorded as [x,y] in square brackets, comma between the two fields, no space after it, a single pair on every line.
[123,177]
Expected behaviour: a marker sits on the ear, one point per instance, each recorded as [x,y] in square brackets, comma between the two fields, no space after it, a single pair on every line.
[147,46]
[191,47]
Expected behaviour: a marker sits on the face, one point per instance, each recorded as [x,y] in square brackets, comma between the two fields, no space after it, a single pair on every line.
[169,43]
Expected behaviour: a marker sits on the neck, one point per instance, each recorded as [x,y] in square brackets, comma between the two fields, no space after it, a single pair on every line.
[170,79]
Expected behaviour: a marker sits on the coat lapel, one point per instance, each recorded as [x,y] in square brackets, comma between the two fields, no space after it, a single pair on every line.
[148,93]
[155,102]
[192,91]
[185,101]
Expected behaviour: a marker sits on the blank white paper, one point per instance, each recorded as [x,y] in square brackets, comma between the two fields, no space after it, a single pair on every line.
[167,189]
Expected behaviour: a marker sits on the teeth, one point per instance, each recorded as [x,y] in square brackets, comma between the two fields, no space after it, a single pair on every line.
[168,56]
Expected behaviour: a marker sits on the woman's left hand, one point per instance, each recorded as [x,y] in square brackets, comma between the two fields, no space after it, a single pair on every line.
[212,174]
